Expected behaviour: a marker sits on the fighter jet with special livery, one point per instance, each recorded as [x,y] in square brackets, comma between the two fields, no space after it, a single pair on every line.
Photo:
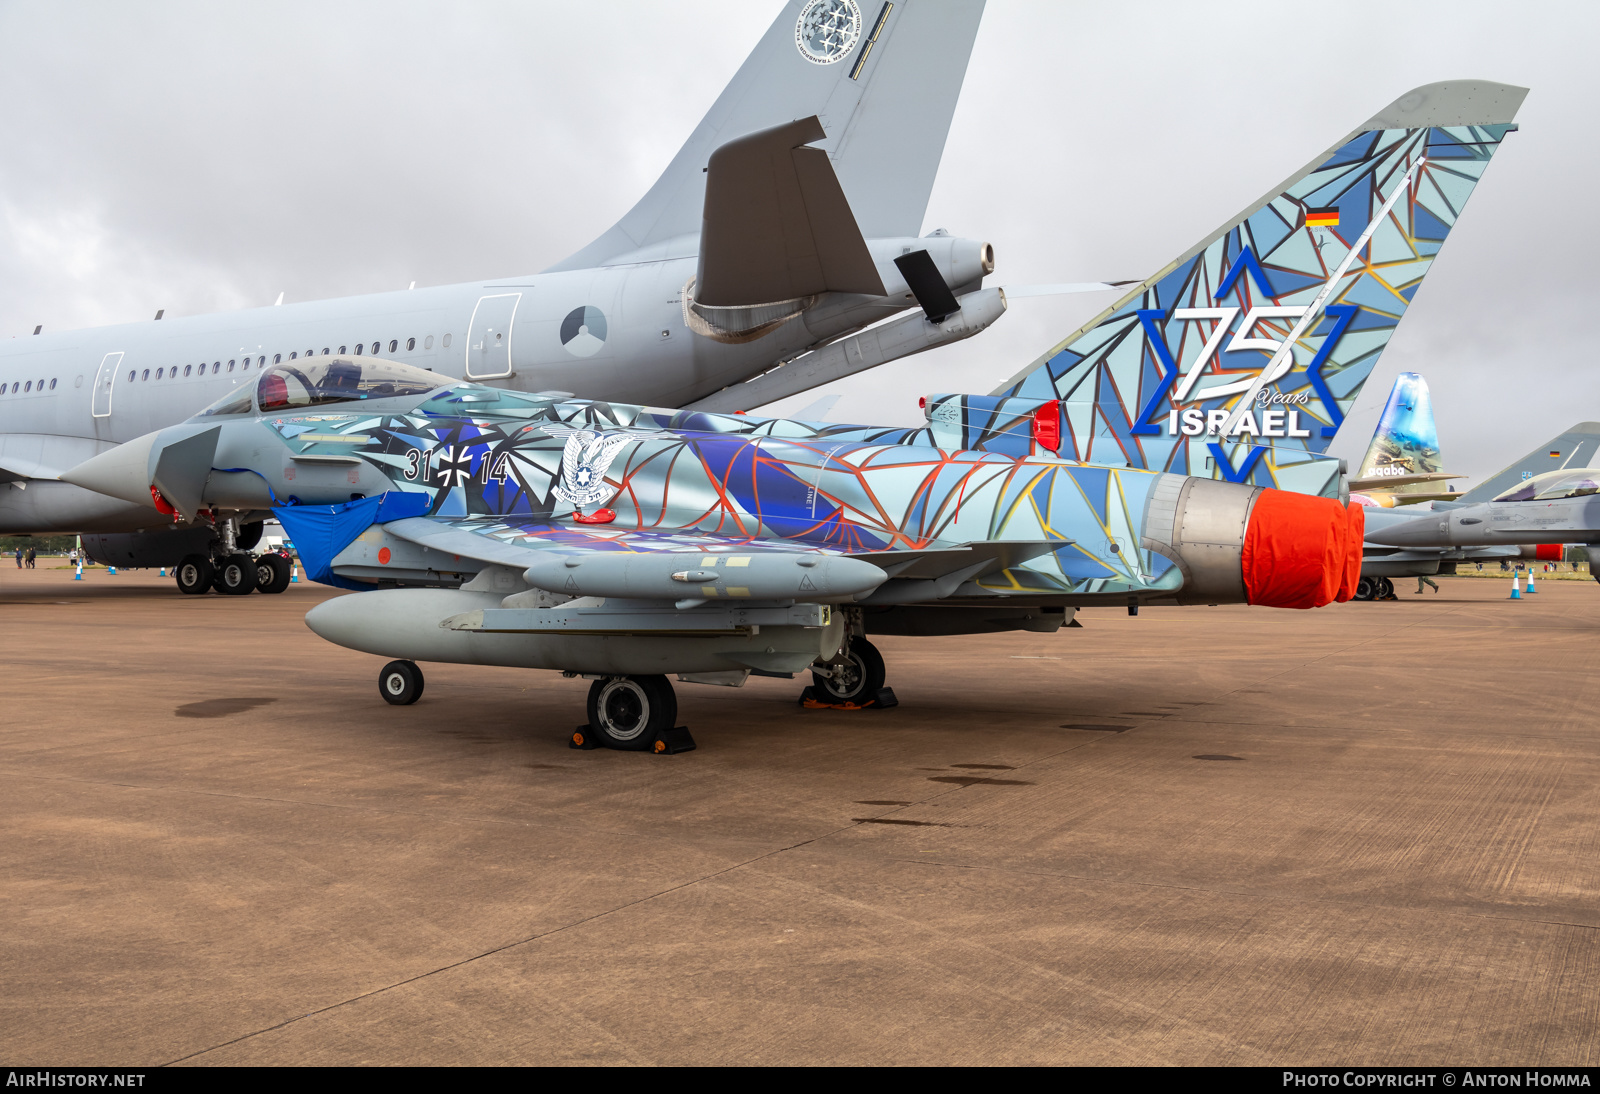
[771,239]
[627,543]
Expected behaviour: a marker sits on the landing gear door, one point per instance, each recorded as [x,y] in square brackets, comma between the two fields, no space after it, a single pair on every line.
[103,382]
[489,338]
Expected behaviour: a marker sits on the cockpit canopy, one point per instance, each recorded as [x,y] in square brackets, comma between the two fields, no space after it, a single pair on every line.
[317,381]
[1554,485]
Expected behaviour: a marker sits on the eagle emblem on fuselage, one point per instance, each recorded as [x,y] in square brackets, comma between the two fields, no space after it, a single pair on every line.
[585,458]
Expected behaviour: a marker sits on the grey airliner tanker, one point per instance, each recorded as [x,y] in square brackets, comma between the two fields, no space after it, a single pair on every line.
[767,239]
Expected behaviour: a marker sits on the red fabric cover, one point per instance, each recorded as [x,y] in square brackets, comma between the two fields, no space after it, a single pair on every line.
[1301,551]
[1548,552]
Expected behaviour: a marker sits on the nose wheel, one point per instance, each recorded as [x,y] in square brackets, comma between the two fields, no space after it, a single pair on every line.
[852,679]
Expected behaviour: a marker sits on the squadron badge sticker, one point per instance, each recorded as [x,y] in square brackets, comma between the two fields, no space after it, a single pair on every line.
[585,459]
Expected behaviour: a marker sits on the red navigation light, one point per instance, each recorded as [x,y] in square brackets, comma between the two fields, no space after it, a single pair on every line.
[1047,426]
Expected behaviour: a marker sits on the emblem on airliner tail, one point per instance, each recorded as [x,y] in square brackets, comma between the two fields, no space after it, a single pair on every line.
[827,30]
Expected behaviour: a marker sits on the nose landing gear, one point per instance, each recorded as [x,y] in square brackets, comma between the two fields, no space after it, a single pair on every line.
[852,680]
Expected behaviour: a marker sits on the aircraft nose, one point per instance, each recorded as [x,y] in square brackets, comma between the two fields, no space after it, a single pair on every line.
[123,472]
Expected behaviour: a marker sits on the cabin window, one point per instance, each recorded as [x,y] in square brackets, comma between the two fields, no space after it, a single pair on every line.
[359,347]
[277,358]
[52,385]
[187,369]
[446,342]
[427,343]
[342,350]
[292,356]
[411,344]
[324,351]
[158,374]
[394,344]
[311,353]
[27,386]
[131,375]
[15,386]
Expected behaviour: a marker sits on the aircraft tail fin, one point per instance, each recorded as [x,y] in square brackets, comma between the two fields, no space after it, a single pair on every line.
[1403,457]
[1576,448]
[1240,359]
[883,78]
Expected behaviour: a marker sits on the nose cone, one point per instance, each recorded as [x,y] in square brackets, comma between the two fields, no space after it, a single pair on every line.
[123,472]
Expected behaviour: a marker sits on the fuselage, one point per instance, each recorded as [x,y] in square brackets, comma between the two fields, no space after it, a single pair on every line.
[613,332]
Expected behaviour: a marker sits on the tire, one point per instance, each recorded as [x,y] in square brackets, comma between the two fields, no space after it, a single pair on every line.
[627,712]
[194,575]
[400,683]
[272,573]
[857,679]
[1385,589]
[236,575]
[1366,589]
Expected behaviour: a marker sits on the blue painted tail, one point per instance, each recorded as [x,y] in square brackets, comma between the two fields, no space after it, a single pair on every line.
[1241,358]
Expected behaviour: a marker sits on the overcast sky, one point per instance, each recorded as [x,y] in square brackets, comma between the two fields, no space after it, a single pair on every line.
[203,157]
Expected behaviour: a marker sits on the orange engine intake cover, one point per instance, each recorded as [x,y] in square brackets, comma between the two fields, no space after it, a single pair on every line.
[1301,551]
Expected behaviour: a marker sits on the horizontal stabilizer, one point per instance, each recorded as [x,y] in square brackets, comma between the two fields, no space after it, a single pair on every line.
[927,285]
[776,224]
[1391,482]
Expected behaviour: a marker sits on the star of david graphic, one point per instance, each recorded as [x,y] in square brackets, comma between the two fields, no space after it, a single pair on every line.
[454,466]
[1246,265]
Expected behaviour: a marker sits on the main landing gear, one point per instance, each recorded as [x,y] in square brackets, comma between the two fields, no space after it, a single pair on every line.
[230,569]
[1374,588]
[633,714]
[851,680]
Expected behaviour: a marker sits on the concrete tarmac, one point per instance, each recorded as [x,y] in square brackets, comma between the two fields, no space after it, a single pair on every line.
[1364,834]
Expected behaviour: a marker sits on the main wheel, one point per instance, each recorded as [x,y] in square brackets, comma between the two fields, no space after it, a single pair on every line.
[272,573]
[1366,588]
[627,712]
[400,683]
[194,574]
[1385,589]
[236,575]
[856,679]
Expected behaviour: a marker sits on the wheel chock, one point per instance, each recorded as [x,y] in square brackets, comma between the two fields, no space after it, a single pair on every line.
[670,742]
[585,738]
[884,699]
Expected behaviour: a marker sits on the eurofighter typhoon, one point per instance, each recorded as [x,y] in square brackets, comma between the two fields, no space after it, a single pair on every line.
[629,544]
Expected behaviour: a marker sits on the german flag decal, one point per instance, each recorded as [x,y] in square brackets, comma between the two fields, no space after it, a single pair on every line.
[1322,218]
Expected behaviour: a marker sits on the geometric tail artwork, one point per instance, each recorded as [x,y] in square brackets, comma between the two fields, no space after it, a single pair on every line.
[1241,359]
